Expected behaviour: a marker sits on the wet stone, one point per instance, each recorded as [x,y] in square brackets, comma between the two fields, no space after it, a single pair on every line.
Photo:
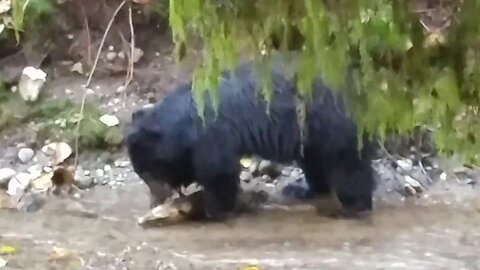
[245,176]
[5,175]
[25,154]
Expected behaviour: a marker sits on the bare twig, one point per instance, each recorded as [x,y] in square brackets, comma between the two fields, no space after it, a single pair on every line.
[130,70]
[90,76]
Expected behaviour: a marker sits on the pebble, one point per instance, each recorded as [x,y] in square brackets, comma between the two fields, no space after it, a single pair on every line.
[82,181]
[405,164]
[264,166]
[77,67]
[245,176]
[137,54]
[107,168]
[59,150]
[296,173]
[413,184]
[31,82]
[122,163]
[109,120]
[25,154]
[5,175]
[111,56]
[18,184]
[287,171]
[100,172]
[121,89]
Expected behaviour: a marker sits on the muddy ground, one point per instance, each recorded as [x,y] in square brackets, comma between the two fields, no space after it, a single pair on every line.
[436,230]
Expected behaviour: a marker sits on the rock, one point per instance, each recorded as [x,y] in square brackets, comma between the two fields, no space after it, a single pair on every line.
[111,56]
[5,6]
[287,171]
[83,181]
[410,190]
[2,27]
[245,176]
[122,163]
[31,82]
[137,54]
[109,120]
[107,168]
[269,168]
[296,173]
[18,184]
[414,183]
[77,67]
[25,154]
[43,182]
[443,176]
[99,172]
[5,175]
[59,151]
[121,89]
[266,178]
[405,164]
[121,55]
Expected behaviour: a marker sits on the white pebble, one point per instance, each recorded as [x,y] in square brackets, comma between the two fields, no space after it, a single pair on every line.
[413,182]
[25,154]
[100,173]
[109,120]
[111,56]
[18,184]
[443,176]
[405,164]
[5,175]
[245,175]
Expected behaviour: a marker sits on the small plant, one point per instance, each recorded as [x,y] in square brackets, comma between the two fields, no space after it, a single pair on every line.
[15,14]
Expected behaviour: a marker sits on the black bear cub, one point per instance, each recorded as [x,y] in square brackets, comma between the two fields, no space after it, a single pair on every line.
[170,146]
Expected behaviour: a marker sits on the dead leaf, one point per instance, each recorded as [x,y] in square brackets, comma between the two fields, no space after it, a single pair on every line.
[5,250]
[251,267]
[43,182]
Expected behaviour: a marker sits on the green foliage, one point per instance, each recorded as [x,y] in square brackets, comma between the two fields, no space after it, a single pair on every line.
[398,82]
[57,119]
[25,12]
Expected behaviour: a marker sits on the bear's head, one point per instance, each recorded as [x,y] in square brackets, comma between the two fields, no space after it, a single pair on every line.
[157,152]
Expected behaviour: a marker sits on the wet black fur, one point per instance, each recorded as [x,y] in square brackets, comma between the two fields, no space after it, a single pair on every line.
[168,144]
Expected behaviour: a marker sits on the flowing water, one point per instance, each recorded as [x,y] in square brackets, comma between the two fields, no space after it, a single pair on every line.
[438,231]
